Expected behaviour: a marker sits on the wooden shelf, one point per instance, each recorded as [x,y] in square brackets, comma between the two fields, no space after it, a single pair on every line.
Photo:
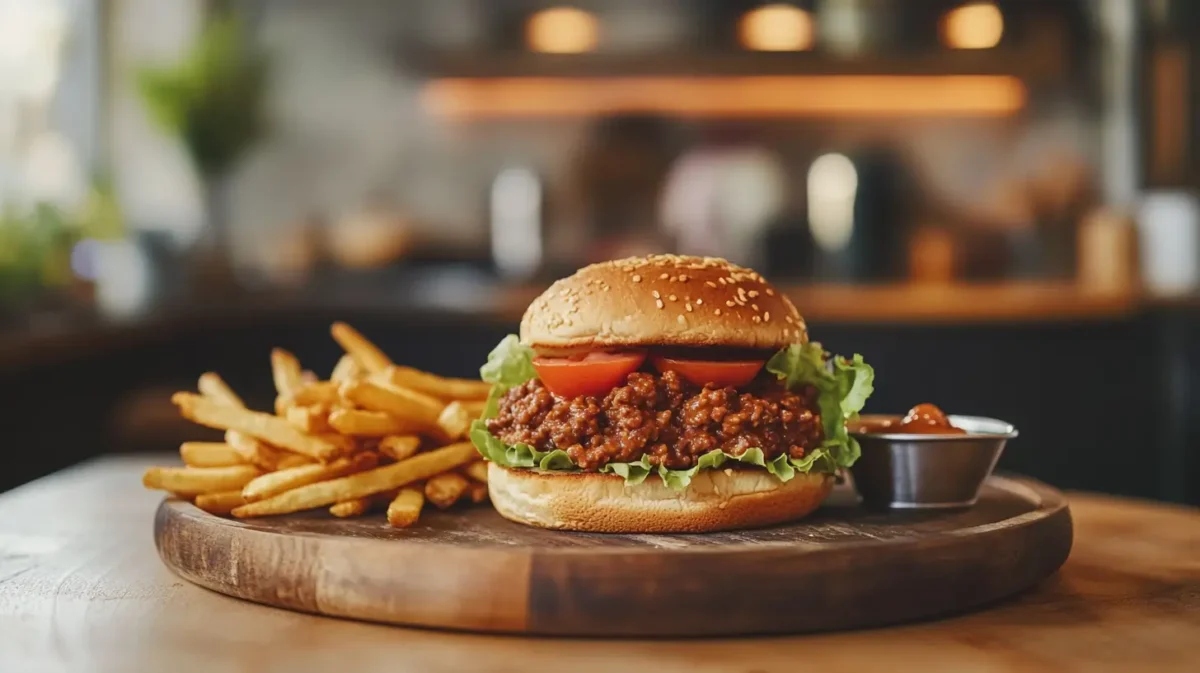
[1023,64]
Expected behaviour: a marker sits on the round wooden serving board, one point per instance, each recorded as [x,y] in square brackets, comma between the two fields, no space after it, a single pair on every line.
[843,567]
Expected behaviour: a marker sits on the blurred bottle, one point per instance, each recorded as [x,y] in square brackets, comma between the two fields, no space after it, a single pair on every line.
[515,216]
[616,184]
[931,256]
[788,250]
[1169,241]
[858,213]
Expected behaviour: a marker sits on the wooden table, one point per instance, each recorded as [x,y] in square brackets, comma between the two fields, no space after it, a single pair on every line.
[81,588]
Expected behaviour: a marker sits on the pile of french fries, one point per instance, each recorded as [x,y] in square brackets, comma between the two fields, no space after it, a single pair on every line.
[374,435]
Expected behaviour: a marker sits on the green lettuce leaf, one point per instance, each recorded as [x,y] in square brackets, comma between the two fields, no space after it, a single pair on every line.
[843,386]
[632,473]
[508,365]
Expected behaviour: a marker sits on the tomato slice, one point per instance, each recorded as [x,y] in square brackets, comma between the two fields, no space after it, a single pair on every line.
[721,373]
[593,374]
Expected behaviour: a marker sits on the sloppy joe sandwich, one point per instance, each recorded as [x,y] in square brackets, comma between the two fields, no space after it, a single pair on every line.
[665,394]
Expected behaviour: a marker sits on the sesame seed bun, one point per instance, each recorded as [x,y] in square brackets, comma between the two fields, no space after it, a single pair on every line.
[661,300]
[602,503]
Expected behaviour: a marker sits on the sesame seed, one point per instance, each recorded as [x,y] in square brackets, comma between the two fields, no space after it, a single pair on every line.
[742,292]
[672,297]
[753,293]
[655,294]
[688,307]
[699,302]
[664,276]
[721,281]
[770,292]
[637,278]
[729,304]
[717,312]
[674,278]
[681,319]
[683,278]
[756,319]
[754,306]
[710,284]
[767,316]
[658,302]
[786,332]
[787,319]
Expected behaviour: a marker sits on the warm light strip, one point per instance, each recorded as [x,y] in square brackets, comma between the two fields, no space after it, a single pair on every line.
[728,97]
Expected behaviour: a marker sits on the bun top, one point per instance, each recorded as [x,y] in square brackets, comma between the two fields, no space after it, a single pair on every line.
[662,300]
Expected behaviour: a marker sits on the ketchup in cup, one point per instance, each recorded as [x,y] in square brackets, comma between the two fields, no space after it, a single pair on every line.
[923,419]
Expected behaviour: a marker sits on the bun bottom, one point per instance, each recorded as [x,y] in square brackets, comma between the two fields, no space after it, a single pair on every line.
[602,503]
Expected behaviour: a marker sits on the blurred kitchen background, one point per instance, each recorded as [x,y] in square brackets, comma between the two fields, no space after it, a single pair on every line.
[995,202]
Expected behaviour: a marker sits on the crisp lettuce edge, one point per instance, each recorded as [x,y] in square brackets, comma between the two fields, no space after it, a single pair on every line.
[843,387]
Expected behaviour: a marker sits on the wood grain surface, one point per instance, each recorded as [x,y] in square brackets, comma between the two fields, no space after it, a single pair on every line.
[82,589]
[471,569]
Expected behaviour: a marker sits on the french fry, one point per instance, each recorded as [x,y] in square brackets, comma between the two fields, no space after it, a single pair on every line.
[290,460]
[209,454]
[221,503]
[478,492]
[255,452]
[345,445]
[274,483]
[367,354]
[445,389]
[321,392]
[399,402]
[475,407]
[285,371]
[445,489]
[477,470]
[352,507]
[197,480]
[359,423]
[399,447]
[454,421]
[213,386]
[347,369]
[420,466]
[313,420]
[405,508]
[268,428]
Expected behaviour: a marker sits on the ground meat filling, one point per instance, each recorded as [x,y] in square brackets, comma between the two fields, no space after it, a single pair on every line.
[662,416]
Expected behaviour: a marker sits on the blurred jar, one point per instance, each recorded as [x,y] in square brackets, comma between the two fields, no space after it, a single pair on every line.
[373,237]
[291,254]
[1107,252]
[122,274]
[853,27]
[719,201]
